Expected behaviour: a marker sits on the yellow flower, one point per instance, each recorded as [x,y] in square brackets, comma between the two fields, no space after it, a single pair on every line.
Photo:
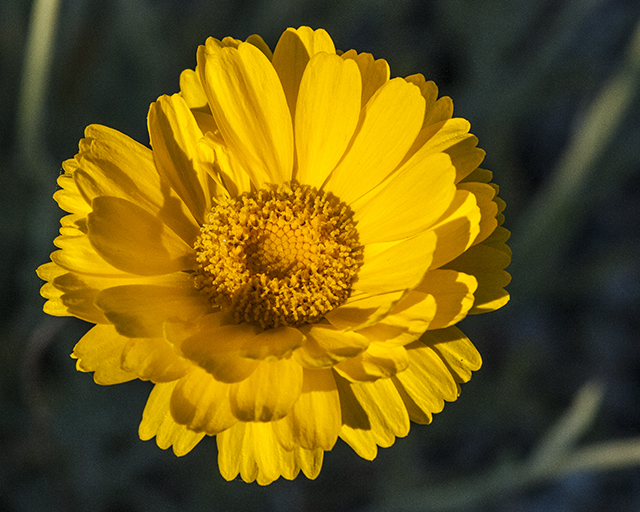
[288,261]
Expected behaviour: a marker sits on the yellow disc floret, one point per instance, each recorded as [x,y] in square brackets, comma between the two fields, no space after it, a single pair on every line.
[278,256]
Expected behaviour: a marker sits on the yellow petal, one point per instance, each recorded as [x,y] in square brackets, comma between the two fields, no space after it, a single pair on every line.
[437,110]
[121,166]
[259,43]
[78,255]
[384,408]
[322,131]
[414,198]
[406,321]
[249,106]
[292,54]
[486,263]
[100,351]
[315,420]
[378,361]
[71,294]
[326,345]
[54,305]
[466,157]
[456,229]
[231,174]
[381,418]
[174,135]
[453,292]
[133,240]
[157,421]
[356,426]
[423,417]
[191,90]
[235,453]
[101,177]
[273,344]
[427,380]
[139,311]
[402,266]
[392,335]
[478,175]
[441,136]
[115,165]
[272,458]
[375,73]
[69,197]
[253,451]
[389,124]
[455,349]
[363,310]
[488,208]
[73,225]
[202,403]
[269,393]
[310,461]
[153,359]
[451,137]
[217,350]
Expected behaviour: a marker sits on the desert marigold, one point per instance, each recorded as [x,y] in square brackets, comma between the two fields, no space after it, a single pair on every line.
[288,262]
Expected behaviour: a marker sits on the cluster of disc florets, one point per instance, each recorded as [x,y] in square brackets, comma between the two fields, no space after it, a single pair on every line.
[278,256]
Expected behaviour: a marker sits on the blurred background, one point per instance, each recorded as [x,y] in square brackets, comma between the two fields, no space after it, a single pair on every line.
[551,421]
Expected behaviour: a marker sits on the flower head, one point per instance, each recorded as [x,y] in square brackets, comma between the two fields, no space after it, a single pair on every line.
[288,262]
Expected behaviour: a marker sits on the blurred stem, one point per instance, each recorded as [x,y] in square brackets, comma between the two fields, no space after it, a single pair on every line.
[554,458]
[545,228]
[35,82]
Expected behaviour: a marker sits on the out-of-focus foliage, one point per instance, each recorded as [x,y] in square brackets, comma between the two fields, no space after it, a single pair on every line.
[551,90]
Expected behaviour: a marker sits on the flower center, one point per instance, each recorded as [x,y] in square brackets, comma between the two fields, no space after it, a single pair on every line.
[278,256]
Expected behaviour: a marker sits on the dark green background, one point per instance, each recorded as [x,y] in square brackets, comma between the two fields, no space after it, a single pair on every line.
[526,74]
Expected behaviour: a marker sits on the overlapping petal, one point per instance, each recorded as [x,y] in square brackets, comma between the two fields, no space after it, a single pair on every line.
[132,240]
[259,133]
[293,52]
[390,122]
[323,132]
